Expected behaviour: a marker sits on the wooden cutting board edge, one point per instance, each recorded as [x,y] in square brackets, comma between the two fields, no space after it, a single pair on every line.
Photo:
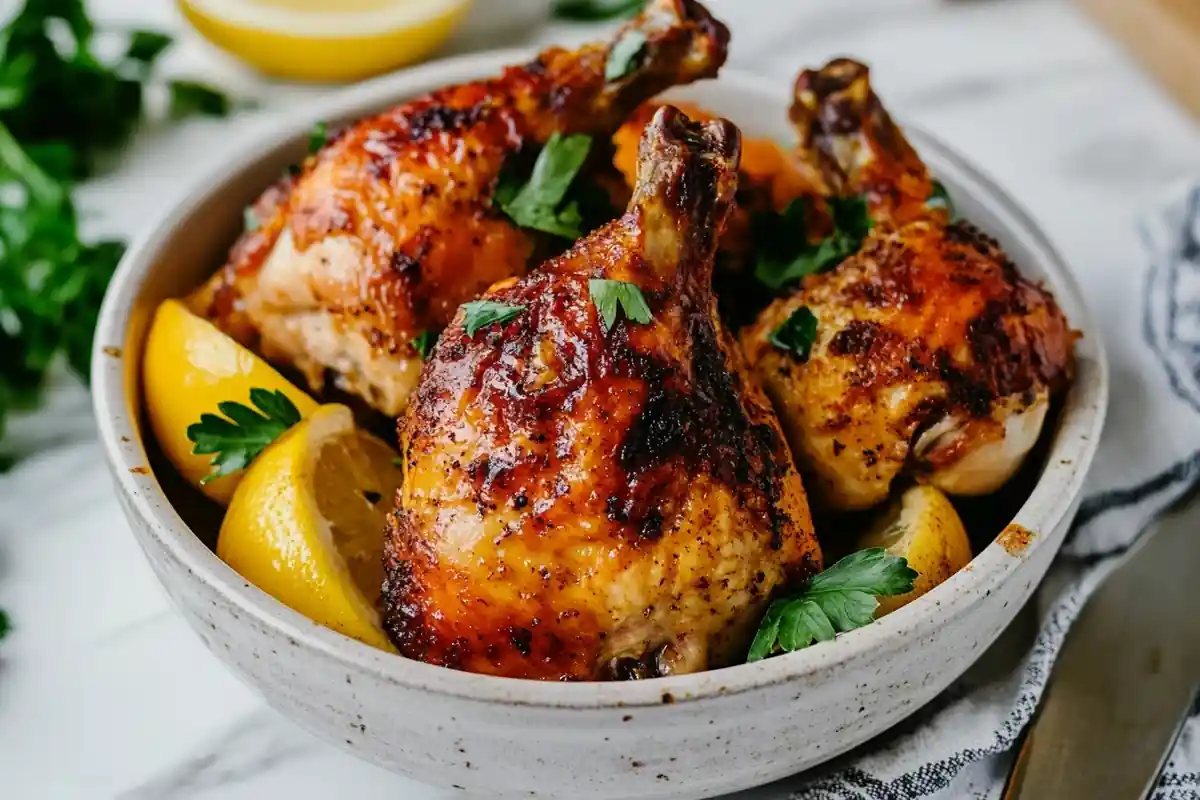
[1163,34]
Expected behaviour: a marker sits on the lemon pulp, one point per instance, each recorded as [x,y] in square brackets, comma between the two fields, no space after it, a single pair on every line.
[306,524]
[923,527]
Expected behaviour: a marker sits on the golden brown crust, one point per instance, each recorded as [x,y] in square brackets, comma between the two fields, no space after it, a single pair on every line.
[849,145]
[582,503]
[926,323]
[402,201]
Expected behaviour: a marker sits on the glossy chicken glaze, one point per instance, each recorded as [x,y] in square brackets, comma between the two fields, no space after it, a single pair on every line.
[847,144]
[933,355]
[929,347]
[582,504]
[391,226]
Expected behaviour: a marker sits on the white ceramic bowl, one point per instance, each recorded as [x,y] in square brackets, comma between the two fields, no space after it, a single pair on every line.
[678,737]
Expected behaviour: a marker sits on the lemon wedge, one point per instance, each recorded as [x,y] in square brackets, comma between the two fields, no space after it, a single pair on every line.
[306,523]
[187,368]
[923,527]
[318,40]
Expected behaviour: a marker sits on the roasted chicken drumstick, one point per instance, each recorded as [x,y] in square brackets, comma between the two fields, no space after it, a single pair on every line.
[392,225]
[932,355]
[594,492]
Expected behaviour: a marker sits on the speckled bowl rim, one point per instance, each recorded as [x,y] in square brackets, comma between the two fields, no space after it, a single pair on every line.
[1051,500]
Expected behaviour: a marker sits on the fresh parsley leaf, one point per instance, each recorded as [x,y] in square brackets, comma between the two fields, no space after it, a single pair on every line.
[236,441]
[56,159]
[423,343]
[317,137]
[624,56]
[796,334]
[147,46]
[250,220]
[189,97]
[940,198]
[595,10]
[481,313]
[608,295]
[538,203]
[786,256]
[840,599]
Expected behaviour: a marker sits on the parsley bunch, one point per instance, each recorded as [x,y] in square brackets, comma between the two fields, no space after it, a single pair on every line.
[61,107]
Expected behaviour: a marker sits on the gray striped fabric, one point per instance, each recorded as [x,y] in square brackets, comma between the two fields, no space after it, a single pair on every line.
[960,746]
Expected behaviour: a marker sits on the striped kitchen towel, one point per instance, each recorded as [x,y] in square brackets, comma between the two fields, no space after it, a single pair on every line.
[960,745]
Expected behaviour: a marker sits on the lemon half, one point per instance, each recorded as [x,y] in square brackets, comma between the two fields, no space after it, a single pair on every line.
[188,367]
[923,527]
[306,524]
[319,40]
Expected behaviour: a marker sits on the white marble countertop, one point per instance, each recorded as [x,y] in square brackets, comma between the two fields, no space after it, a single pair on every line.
[103,690]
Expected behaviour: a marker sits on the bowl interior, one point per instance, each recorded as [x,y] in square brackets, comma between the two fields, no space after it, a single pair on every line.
[192,240]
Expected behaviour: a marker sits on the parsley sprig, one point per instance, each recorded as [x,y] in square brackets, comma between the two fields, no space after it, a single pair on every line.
[939,197]
[608,296]
[840,599]
[423,343]
[482,313]
[796,334]
[786,255]
[625,55]
[236,441]
[541,202]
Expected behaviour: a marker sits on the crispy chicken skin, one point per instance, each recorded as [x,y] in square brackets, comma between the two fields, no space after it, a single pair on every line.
[391,226]
[847,144]
[933,356]
[589,504]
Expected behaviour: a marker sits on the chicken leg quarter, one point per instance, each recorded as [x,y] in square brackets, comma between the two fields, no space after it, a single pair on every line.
[933,356]
[581,502]
[392,225]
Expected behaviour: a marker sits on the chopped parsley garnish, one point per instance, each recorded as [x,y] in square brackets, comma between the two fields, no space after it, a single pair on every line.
[624,56]
[317,137]
[797,333]
[189,97]
[608,295]
[236,441]
[786,255]
[837,600]
[595,10]
[423,343]
[539,202]
[481,313]
[147,46]
[940,198]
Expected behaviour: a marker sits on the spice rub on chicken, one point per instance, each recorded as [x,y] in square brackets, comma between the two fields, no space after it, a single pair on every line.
[593,486]
[392,224]
[932,356]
